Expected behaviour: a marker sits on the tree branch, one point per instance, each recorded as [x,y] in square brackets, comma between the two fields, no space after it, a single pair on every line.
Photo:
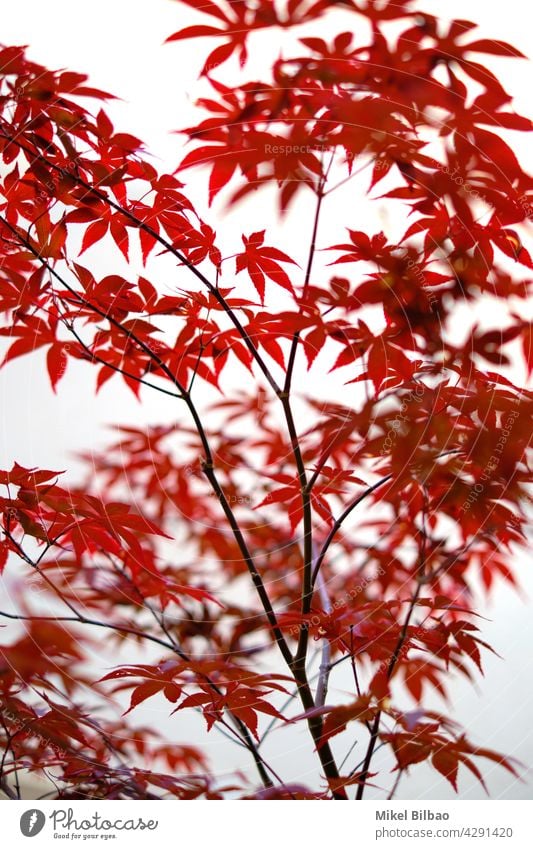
[254,574]
[374,732]
[344,515]
[310,258]
[339,522]
[325,665]
[141,225]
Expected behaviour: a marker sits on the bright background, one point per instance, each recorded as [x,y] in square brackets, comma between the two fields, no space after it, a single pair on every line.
[119,44]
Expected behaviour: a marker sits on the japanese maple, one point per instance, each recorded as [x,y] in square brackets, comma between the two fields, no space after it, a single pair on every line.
[271,521]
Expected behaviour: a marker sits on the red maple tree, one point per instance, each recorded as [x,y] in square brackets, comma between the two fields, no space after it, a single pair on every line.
[268,524]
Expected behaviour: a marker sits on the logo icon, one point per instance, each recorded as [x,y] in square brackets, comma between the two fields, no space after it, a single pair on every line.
[32,822]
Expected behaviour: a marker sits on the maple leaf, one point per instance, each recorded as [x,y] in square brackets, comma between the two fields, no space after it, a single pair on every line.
[360,518]
[262,261]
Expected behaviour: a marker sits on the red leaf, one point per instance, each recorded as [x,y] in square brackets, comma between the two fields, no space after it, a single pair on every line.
[93,234]
[194,32]
[56,362]
[221,174]
[339,717]
[497,48]
[446,762]
[257,260]
[143,692]
[4,552]
[218,56]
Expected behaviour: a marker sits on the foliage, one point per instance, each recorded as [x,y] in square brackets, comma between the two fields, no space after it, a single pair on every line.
[275,491]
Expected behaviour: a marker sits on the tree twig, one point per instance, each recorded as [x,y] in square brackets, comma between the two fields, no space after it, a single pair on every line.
[325,663]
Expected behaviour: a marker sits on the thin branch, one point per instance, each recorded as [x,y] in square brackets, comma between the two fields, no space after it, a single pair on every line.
[98,359]
[6,749]
[358,766]
[325,667]
[354,670]
[171,645]
[271,725]
[348,753]
[307,585]
[142,225]
[6,789]
[128,333]
[246,740]
[361,497]
[395,785]
[254,574]
[298,663]
[339,522]
[390,669]
[85,620]
[350,177]
[310,258]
